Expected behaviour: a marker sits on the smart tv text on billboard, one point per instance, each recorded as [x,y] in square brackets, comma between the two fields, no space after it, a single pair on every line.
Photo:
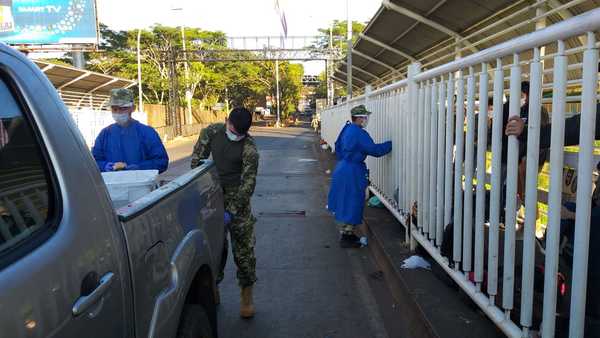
[48,22]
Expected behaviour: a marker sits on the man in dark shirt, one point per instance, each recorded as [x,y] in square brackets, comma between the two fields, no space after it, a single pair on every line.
[236,158]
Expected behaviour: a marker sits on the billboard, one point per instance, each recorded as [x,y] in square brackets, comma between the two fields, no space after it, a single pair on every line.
[48,22]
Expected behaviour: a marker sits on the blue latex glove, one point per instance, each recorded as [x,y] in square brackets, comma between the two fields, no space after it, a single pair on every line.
[109,166]
[227,218]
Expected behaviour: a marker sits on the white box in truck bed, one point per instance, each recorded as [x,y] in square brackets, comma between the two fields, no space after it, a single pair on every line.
[125,187]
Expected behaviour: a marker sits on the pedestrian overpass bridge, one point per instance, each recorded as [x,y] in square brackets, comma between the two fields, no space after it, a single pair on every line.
[509,253]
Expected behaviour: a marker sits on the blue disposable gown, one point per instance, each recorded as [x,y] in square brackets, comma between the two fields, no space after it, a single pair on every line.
[350,177]
[137,145]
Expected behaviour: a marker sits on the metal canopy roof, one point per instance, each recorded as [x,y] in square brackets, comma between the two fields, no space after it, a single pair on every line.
[405,31]
[80,88]
[79,80]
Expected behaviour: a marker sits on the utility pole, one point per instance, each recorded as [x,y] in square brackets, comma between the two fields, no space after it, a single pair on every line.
[173,116]
[188,93]
[139,65]
[329,67]
[349,62]
[278,124]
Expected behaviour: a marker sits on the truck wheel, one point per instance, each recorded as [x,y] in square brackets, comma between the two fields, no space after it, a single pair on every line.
[194,323]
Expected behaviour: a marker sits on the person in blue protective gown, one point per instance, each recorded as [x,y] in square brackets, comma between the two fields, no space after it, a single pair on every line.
[347,193]
[128,144]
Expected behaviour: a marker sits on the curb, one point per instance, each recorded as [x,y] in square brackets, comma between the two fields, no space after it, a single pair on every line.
[416,320]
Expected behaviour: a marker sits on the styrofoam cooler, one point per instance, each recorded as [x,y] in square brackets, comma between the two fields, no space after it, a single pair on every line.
[128,186]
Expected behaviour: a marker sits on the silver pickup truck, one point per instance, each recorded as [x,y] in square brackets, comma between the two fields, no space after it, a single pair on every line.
[70,265]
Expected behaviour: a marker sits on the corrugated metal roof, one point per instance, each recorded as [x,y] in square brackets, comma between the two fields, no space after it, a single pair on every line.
[72,79]
[479,20]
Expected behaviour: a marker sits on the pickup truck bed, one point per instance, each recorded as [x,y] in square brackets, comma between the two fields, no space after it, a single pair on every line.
[164,259]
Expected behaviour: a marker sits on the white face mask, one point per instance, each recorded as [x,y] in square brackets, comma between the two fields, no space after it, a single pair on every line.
[364,122]
[121,119]
[523,102]
[233,137]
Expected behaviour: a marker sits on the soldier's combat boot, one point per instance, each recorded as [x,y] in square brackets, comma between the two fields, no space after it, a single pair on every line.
[246,306]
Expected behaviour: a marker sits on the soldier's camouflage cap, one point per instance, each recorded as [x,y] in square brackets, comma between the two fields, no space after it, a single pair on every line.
[360,111]
[121,97]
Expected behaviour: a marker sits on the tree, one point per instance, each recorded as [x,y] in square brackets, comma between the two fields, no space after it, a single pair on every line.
[321,91]
[290,87]
[340,34]
[247,83]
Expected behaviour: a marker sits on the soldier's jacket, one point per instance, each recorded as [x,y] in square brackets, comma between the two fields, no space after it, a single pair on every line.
[237,163]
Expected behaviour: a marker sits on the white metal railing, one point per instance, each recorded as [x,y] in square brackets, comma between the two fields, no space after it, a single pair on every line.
[434,155]
[91,121]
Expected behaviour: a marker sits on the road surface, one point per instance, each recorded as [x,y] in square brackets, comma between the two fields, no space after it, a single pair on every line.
[307,286]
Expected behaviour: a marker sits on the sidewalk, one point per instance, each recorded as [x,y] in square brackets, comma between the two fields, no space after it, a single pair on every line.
[427,299]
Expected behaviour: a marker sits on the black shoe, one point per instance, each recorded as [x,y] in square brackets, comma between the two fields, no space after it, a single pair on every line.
[349,241]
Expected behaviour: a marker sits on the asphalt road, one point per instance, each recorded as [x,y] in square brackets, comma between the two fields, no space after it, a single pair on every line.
[307,286]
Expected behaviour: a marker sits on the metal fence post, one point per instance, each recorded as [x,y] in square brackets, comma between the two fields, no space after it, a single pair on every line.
[584,187]
[512,163]
[413,103]
[531,197]
[368,90]
[370,160]
[459,153]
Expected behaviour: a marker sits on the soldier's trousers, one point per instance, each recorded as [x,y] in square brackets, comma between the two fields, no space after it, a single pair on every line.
[241,234]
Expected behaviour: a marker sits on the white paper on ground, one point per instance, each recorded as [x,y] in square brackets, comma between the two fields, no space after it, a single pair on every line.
[364,241]
[415,262]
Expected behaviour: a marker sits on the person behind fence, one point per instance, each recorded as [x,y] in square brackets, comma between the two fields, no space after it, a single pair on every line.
[350,178]
[315,122]
[524,113]
[517,126]
[128,144]
[236,158]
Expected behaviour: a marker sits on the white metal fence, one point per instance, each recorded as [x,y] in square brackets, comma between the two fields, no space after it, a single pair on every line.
[437,150]
[91,121]
[22,208]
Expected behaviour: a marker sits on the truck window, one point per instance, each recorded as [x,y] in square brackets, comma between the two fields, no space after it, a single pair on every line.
[25,201]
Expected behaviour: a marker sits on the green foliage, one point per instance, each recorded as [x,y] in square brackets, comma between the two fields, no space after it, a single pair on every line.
[321,90]
[338,38]
[291,86]
[242,83]
[339,32]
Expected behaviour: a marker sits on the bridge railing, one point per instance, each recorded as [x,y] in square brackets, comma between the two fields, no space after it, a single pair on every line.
[438,122]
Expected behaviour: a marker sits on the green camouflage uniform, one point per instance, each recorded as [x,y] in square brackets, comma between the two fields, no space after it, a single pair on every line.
[237,203]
